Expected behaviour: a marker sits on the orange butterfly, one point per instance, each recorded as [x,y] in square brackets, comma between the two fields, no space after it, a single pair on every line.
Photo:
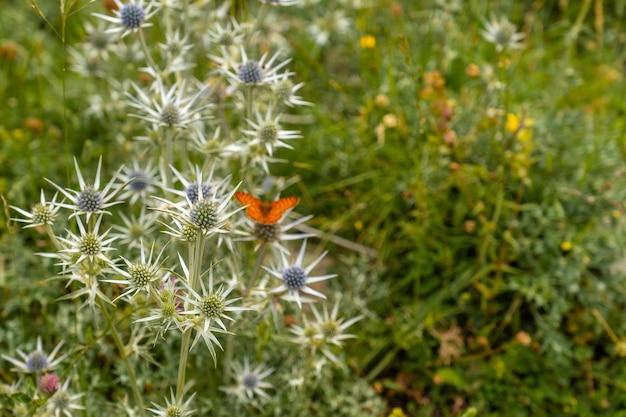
[264,211]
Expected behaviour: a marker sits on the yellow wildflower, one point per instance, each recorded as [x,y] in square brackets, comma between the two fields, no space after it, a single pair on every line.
[521,127]
[397,412]
[367,41]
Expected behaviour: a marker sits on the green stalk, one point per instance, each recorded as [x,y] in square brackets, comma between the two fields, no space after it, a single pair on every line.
[260,17]
[146,51]
[257,269]
[249,101]
[122,351]
[182,365]
[195,265]
[167,158]
[52,236]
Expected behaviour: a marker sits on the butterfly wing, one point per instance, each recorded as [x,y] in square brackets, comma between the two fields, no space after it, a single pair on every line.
[264,212]
[254,209]
[278,208]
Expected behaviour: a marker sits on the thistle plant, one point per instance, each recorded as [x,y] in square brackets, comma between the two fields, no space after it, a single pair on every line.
[163,251]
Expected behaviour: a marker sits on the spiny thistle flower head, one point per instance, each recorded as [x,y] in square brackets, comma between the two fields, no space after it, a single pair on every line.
[502,34]
[166,316]
[268,132]
[173,107]
[176,48]
[227,36]
[138,181]
[87,63]
[204,214]
[296,278]
[210,306]
[325,334]
[135,229]
[284,91]
[88,244]
[176,45]
[98,40]
[274,234]
[131,16]
[209,144]
[42,213]
[182,231]
[207,214]
[64,403]
[250,71]
[37,361]
[90,199]
[250,382]
[173,408]
[193,191]
[198,187]
[267,232]
[332,328]
[141,275]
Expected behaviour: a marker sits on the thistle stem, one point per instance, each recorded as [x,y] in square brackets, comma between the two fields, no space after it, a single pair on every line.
[257,269]
[195,265]
[167,158]
[182,365]
[146,51]
[122,351]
